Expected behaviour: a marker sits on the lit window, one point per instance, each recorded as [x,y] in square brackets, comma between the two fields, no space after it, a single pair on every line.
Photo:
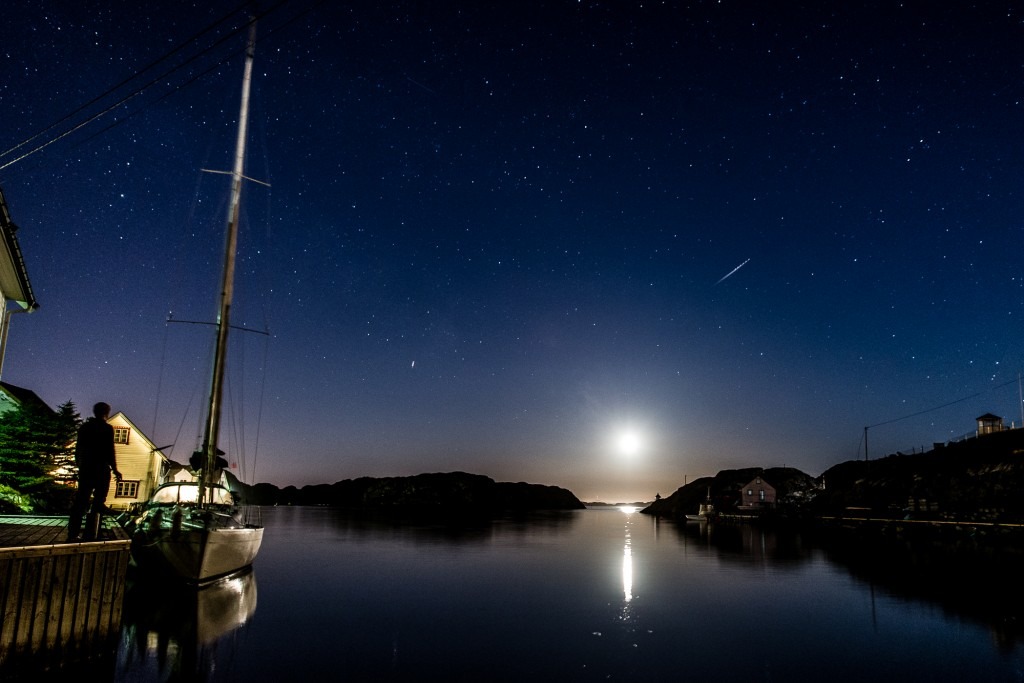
[127,489]
[121,435]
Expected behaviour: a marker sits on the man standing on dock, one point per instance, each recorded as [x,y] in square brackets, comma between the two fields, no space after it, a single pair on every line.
[94,455]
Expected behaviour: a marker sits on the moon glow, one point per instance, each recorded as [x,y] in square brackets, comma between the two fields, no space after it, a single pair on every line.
[629,442]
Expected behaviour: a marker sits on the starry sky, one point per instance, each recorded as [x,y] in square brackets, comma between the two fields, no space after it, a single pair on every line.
[498,236]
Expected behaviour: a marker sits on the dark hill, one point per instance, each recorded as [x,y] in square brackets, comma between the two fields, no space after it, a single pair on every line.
[792,486]
[977,479]
[434,491]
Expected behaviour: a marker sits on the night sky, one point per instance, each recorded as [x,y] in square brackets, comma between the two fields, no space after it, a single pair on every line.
[499,235]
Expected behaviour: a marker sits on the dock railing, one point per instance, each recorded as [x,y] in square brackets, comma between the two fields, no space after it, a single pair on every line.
[59,600]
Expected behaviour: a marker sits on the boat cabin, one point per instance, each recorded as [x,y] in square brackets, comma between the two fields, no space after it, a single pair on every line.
[188,492]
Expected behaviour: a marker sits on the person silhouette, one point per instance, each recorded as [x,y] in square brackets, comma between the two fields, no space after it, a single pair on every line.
[94,455]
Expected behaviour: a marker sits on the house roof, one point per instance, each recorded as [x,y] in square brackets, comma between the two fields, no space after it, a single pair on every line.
[759,481]
[989,416]
[23,396]
[14,284]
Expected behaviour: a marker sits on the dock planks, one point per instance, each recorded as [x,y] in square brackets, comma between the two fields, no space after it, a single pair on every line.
[58,598]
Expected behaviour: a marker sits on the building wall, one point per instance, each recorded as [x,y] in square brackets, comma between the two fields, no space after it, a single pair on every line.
[138,464]
[758,492]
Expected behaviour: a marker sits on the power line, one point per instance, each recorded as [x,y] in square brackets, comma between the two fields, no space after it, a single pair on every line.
[69,118]
[864,438]
[944,405]
[110,91]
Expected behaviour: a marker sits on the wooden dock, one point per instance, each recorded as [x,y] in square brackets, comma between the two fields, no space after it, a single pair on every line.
[59,600]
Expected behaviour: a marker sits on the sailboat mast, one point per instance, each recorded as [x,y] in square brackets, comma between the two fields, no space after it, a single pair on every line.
[228,278]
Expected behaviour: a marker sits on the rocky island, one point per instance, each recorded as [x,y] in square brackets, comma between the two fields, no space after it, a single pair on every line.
[441,491]
[976,480]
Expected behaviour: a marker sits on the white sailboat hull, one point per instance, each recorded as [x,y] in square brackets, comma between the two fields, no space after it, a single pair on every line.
[197,544]
[201,555]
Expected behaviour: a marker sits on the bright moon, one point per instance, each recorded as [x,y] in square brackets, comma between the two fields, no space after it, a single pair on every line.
[629,443]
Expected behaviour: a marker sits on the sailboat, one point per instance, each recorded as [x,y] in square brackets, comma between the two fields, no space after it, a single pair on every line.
[197,529]
[705,512]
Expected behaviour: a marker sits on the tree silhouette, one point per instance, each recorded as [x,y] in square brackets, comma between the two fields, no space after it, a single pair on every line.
[37,452]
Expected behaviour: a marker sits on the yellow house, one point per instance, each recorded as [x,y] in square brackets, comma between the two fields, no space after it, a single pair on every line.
[139,461]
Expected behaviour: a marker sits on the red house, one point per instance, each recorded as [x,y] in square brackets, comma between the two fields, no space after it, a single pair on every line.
[757,494]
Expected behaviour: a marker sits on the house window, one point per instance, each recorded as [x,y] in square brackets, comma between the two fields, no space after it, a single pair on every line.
[761,495]
[127,489]
[121,435]
[750,492]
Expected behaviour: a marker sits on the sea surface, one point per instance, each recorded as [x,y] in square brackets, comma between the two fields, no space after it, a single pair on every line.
[589,595]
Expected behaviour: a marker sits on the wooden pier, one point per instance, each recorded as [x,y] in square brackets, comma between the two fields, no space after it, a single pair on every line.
[59,600]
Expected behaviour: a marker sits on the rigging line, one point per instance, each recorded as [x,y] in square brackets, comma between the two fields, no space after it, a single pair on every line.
[203,379]
[177,279]
[233,403]
[184,415]
[160,376]
[860,446]
[240,328]
[111,90]
[259,410]
[944,405]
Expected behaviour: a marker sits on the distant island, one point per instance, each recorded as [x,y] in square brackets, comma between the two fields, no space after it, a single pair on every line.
[978,479]
[443,491]
[601,503]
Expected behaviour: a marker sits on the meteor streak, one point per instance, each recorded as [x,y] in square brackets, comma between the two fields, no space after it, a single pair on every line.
[732,272]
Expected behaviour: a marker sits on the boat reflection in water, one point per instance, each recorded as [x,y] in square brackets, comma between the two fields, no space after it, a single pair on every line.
[184,631]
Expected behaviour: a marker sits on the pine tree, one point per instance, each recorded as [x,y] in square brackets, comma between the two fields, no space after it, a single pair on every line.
[62,443]
[34,442]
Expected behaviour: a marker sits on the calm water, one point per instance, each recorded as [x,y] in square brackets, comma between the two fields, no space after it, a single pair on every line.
[591,595]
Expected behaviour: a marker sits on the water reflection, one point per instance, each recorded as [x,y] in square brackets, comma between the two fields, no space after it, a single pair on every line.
[627,566]
[966,576]
[747,543]
[592,595]
[184,631]
[443,529]
[969,578]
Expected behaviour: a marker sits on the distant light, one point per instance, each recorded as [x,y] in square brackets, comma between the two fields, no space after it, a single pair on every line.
[628,509]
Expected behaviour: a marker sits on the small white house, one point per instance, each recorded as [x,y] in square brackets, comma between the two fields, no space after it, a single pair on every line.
[138,460]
